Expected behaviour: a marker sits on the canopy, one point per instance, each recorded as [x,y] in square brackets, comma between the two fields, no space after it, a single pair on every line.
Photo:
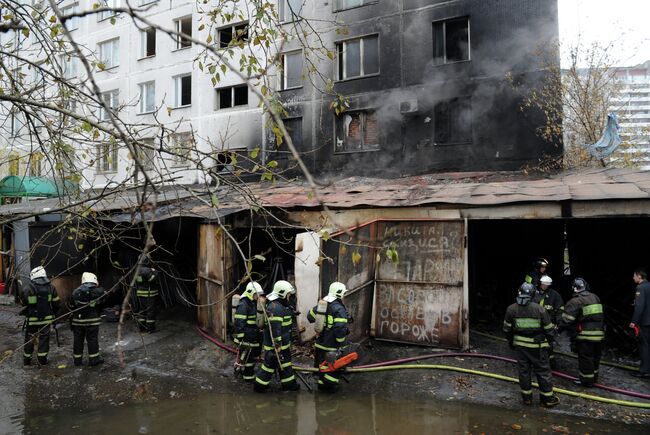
[13,185]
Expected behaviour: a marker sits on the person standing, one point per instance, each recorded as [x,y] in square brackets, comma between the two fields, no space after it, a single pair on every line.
[537,271]
[247,335]
[41,303]
[641,320]
[552,302]
[583,316]
[277,340]
[331,337]
[529,330]
[146,290]
[85,319]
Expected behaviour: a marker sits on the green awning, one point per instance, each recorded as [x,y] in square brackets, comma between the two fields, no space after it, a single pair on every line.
[35,187]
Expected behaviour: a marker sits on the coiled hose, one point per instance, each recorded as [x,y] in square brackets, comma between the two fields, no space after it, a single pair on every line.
[399,365]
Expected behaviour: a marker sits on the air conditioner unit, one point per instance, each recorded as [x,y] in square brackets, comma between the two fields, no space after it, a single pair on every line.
[408,106]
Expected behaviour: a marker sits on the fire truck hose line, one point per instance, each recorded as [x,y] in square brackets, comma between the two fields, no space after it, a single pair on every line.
[398,365]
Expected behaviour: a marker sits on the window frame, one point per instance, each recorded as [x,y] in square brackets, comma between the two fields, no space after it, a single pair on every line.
[364,148]
[35,164]
[470,141]
[144,43]
[341,43]
[217,103]
[148,159]
[283,83]
[115,52]
[13,164]
[71,8]
[101,158]
[178,90]
[233,31]
[444,34]
[338,8]
[178,26]
[114,97]
[283,9]
[181,159]
[69,64]
[105,15]
[141,92]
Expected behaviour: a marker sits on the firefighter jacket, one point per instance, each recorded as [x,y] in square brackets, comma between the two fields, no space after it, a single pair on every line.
[552,302]
[533,277]
[641,314]
[336,326]
[280,319]
[145,283]
[528,326]
[85,305]
[246,322]
[584,313]
[41,302]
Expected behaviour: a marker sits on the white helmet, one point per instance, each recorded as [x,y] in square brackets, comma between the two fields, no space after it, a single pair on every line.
[336,291]
[252,288]
[281,290]
[37,272]
[88,277]
[546,280]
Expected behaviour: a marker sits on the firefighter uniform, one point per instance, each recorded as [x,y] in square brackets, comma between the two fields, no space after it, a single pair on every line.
[41,305]
[641,318]
[146,290]
[583,317]
[85,322]
[553,303]
[529,331]
[277,340]
[247,335]
[331,339]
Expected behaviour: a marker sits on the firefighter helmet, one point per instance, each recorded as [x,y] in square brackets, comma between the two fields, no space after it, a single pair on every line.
[88,277]
[336,291]
[546,280]
[253,288]
[579,284]
[281,290]
[37,272]
[526,291]
[540,262]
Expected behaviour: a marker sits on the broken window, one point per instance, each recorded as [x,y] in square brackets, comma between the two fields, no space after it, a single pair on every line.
[358,57]
[232,96]
[357,131]
[453,121]
[232,35]
[148,42]
[292,70]
[183,90]
[229,161]
[183,26]
[451,41]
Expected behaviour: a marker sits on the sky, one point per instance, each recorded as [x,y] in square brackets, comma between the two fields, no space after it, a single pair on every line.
[626,23]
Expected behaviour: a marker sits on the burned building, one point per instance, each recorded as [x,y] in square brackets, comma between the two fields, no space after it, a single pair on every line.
[424,85]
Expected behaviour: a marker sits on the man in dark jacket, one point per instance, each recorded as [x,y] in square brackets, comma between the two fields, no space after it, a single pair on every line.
[277,340]
[85,319]
[146,290]
[41,305]
[584,319]
[529,330]
[641,320]
[537,271]
[332,336]
[247,335]
[552,302]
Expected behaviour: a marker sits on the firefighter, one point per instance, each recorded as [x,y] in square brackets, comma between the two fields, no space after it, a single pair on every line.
[247,335]
[332,327]
[552,302]
[41,303]
[537,271]
[85,319]
[146,290]
[529,330]
[277,340]
[641,320]
[583,318]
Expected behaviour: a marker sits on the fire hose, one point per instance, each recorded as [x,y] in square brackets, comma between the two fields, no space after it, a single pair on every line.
[399,365]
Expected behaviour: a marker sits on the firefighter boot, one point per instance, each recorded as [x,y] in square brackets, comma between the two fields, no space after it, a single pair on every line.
[95,361]
[42,360]
[27,361]
[291,386]
[78,361]
[549,401]
[527,398]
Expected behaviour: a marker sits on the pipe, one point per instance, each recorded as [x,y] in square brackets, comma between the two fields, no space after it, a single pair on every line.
[572,355]
[394,365]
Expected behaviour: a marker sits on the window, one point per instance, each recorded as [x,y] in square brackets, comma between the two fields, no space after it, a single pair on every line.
[232,35]
[69,66]
[111,99]
[231,97]
[147,154]
[107,157]
[349,4]
[148,42]
[109,53]
[227,161]
[181,148]
[70,105]
[290,9]
[14,164]
[294,128]
[71,23]
[291,70]
[35,164]
[357,131]
[452,121]
[108,14]
[358,57]
[15,123]
[183,90]
[183,26]
[147,97]
[451,41]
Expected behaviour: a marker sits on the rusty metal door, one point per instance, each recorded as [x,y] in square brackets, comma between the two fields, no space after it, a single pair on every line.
[420,298]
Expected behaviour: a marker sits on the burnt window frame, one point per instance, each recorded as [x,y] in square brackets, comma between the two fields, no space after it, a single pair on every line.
[468,141]
[444,58]
[233,30]
[340,63]
[364,148]
[233,106]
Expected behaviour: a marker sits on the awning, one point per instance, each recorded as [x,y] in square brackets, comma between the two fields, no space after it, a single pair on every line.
[16,186]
